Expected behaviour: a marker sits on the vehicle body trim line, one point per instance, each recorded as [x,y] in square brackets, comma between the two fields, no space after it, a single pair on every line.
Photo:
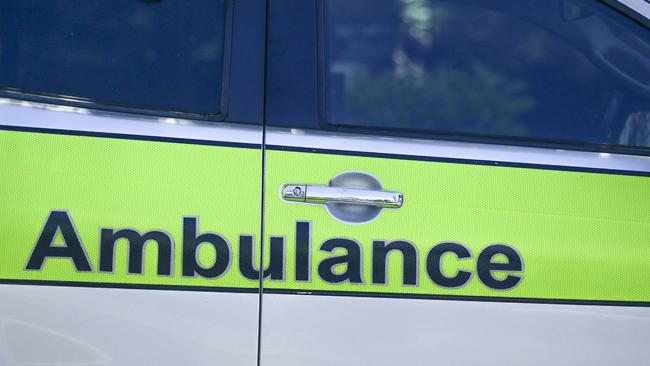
[41,117]
[457,298]
[134,286]
[641,7]
[465,161]
[255,290]
[457,152]
[129,137]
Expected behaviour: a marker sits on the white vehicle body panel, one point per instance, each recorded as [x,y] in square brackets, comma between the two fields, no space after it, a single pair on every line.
[324,331]
[43,325]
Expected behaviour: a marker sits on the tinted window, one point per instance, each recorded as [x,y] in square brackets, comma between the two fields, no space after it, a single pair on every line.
[158,54]
[571,71]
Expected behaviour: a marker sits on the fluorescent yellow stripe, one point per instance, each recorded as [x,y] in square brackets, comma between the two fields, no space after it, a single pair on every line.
[582,236]
[115,183]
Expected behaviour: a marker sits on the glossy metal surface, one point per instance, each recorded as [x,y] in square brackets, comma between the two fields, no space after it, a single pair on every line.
[324,194]
[294,192]
[313,139]
[39,115]
[640,6]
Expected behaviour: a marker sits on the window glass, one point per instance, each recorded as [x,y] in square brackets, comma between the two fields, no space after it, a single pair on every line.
[569,71]
[157,54]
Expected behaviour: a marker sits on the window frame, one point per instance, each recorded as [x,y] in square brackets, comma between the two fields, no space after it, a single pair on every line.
[631,9]
[133,108]
[324,124]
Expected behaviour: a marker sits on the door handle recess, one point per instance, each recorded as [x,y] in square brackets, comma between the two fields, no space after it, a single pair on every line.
[325,194]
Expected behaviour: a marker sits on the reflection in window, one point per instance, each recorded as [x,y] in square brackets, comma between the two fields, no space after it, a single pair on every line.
[160,54]
[571,70]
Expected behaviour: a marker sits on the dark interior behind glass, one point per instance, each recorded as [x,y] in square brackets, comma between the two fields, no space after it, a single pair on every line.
[569,71]
[159,54]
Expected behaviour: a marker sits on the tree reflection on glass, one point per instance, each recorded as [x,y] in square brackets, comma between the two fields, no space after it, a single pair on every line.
[484,68]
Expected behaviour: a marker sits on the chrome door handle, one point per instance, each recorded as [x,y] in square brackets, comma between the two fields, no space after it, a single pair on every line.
[324,194]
